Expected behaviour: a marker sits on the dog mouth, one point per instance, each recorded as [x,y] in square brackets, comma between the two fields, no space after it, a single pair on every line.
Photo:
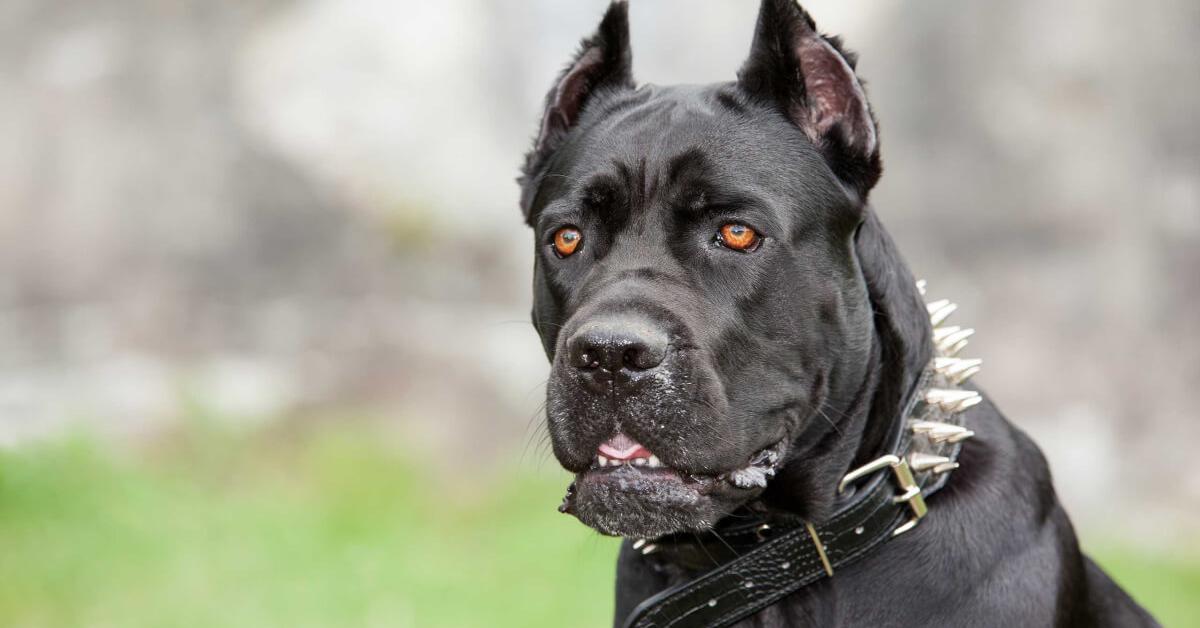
[622,451]
[629,491]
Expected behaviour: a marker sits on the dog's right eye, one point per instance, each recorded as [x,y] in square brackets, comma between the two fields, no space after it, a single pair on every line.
[738,237]
[566,241]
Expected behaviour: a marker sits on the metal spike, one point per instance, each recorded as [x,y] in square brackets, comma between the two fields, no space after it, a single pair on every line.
[967,403]
[956,349]
[959,437]
[921,286]
[952,400]
[949,366]
[940,333]
[954,342]
[957,370]
[649,549]
[939,432]
[937,305]
[939,314]
[920,461]
[966,374]
[924,427]
[936,427]
[946,432]
[942,468]
[639,543]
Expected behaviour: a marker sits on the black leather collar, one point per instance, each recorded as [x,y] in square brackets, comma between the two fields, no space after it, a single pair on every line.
[762,558]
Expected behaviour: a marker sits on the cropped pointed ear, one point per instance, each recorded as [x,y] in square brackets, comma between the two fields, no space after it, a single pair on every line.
[811,79]
[604,61]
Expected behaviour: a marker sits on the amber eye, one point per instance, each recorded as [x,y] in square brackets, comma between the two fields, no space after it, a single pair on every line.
[737,236]
[566,240]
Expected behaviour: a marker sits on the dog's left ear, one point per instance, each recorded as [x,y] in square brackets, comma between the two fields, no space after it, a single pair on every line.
[604,61]
[811,80]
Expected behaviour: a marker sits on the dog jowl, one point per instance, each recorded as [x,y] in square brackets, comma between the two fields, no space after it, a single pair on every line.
[696,283]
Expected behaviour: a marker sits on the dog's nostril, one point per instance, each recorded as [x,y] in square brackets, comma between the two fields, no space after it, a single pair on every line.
[587,361]
[640,358]
[630,359]
[617,345]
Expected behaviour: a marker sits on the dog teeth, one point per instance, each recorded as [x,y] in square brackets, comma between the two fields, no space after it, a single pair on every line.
[605,461]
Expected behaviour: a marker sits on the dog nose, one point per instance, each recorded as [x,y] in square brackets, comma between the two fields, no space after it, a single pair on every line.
[610,346]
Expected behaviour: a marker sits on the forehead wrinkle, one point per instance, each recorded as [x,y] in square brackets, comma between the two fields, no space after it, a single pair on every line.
[638,141]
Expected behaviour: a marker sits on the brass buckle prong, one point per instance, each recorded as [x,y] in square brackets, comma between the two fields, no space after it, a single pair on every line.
[816,539]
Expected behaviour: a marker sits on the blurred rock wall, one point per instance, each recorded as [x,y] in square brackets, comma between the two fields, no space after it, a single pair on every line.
[265,209]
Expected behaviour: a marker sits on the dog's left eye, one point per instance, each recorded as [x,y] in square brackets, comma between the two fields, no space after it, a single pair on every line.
[566,240]
[738,237]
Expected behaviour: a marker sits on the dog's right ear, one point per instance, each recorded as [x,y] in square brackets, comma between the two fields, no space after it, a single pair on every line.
[603,62]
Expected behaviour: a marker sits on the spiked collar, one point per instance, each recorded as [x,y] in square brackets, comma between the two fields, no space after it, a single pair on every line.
[761,558]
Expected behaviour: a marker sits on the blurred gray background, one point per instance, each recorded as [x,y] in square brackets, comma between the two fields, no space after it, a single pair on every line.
[266,210]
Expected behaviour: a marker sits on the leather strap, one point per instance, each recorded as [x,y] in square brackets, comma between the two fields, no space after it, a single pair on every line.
[766,559]
[775,569]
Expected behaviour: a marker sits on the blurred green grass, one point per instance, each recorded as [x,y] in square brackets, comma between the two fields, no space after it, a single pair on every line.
[327,529]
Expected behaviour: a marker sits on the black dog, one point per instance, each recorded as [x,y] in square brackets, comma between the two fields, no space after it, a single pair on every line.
[732,332]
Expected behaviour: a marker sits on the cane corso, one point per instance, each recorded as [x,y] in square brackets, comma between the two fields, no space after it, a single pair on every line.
[732,331]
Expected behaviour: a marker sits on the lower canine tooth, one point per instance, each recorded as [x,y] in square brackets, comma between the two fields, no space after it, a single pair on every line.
[603,461]
[654,462]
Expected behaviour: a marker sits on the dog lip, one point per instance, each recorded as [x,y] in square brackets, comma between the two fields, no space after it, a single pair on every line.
[622,447]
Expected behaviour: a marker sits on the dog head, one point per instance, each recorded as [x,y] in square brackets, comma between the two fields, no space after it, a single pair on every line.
[697,287]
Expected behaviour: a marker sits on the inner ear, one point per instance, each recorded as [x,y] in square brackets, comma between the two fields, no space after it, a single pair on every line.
[604,62]
[836,101]
[811,79]
[565,102]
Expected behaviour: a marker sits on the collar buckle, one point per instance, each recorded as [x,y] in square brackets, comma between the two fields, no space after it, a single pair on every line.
[910,491]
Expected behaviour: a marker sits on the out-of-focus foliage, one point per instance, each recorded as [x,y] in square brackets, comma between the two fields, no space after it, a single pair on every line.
[331,527]
[285,529]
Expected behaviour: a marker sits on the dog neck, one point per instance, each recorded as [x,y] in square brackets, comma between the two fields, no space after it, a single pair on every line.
[901,348]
